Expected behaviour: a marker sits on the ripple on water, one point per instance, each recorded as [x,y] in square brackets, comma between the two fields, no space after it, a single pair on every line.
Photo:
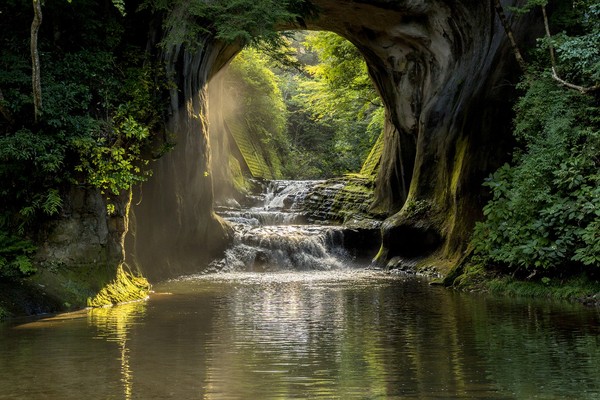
[349,275]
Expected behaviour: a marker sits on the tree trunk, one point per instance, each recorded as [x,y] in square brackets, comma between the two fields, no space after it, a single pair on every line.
[509,33]
[35,59]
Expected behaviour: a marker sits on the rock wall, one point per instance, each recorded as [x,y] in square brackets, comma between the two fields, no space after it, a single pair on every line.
[444,71]
[343,200]
[174,229]
[80,259]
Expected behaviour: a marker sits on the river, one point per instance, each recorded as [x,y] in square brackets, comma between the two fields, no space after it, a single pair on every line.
[332,329]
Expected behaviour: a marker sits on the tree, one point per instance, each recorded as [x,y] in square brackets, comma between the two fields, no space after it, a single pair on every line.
[340,94]
[35,59]
[580,51]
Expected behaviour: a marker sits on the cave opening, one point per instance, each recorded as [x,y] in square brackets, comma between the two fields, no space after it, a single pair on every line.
[305,109]
[443,93]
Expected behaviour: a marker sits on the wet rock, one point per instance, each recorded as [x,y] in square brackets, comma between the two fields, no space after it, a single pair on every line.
[344,200]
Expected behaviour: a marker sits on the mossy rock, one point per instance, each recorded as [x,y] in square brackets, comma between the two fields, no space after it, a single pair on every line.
[344,200]
[126,287]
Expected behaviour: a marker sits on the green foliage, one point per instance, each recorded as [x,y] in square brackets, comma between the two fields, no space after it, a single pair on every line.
[14,257]
[576,44]
[243,21]
[100,103]
[335,112]
[111,159]
[259,104]
[545,210]
[3,314]
[575,289]
[313,107]
[341,83]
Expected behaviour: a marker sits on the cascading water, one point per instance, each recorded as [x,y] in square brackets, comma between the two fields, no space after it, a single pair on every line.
[275,236]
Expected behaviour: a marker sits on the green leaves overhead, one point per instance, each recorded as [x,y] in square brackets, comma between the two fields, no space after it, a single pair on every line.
[243,21]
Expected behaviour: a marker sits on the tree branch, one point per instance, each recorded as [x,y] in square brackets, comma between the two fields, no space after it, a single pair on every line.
[35,59]
[555,76]
[509,33]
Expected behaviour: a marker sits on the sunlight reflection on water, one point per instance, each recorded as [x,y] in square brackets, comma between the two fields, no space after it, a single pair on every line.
[350,334]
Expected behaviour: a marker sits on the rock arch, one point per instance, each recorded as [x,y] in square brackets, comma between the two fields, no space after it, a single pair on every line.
[444,71]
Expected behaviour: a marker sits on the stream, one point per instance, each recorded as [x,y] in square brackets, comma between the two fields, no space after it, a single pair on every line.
[291,313]
[272,234]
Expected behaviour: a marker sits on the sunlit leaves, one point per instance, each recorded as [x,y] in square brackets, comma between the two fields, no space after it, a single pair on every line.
[111,159]
[341,82]
[260,105]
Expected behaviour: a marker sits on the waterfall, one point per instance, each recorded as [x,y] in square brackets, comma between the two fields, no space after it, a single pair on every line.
[274,235]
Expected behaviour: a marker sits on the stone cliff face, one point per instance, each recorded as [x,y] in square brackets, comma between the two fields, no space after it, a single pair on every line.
[443,69]
[174,230]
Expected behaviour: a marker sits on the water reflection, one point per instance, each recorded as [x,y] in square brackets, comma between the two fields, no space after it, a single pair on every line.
[114,324]
[327,335]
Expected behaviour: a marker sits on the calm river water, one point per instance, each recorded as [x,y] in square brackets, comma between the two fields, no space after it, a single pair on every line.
[299,335]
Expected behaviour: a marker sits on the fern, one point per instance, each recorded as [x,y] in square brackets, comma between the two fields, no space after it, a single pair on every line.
[15,257]
[52,203]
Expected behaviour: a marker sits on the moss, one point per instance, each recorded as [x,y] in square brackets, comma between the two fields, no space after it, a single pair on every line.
[262,161]
[459,159]
[468,277]
[575,289]
[435,266]
[354,199]
[371,164]
[415,209]
[381,257]
[125,287]
[240,183]
[478,278]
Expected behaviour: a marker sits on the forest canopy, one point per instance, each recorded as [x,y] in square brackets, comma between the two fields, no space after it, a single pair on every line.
[309,102]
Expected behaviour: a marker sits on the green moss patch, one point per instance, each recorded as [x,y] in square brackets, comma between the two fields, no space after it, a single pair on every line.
[125,287]
[371,164]
[577,288]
